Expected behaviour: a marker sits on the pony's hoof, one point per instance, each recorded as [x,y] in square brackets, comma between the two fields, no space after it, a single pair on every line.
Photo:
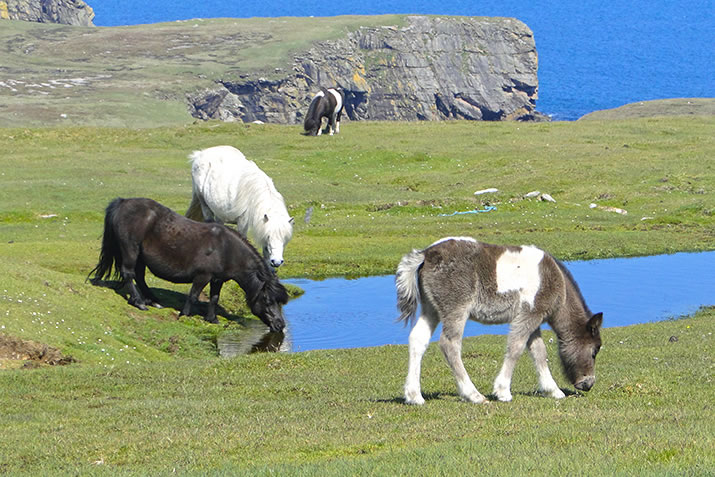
[556,394]
[414,398]
[141,306]
[476,398]
[503,395]
[156,305]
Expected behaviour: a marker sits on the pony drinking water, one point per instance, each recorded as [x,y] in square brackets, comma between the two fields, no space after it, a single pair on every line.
[327,103]
[456,279]
[141,233]
[227,187]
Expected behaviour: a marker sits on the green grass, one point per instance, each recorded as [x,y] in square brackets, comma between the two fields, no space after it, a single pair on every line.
[341,413]
[148,395]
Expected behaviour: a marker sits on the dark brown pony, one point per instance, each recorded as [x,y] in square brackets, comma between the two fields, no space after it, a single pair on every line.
[141,233]
[458,278]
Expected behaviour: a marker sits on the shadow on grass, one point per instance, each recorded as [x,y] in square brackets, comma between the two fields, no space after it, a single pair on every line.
[171,299]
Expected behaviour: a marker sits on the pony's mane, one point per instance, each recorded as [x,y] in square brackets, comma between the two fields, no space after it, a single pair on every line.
[267,201]
[574,286]
[263,278]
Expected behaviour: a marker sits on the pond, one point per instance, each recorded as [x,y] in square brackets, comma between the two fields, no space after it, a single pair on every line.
[341,313]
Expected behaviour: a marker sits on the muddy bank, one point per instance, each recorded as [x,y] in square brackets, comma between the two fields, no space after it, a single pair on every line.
[18,353]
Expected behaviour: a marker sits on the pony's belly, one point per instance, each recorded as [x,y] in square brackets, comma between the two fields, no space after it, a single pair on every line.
[491,315]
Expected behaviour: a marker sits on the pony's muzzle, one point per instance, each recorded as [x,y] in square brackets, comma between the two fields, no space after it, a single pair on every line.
[275,263]
[586,383]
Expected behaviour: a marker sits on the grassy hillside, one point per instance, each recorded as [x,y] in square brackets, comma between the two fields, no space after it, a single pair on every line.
[138,76]
[656,108]
[377,190]
[147,395]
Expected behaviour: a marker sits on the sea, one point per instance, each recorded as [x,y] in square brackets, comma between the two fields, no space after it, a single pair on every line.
[593,55]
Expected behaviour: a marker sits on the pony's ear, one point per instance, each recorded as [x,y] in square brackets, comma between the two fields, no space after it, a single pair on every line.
[595,323]
[291,220]
[265,217]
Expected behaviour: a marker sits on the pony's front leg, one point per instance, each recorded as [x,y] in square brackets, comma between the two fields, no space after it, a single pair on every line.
[451,344]
[320,127]
[537,349]
[213,301]
[418,342]
[198,284]
[515,344]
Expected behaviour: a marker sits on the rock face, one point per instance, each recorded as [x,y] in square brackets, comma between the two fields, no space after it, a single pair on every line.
[69,12]
[433,68]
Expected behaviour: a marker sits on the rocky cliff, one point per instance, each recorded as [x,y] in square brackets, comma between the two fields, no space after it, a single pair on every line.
[431,68]
[70,12]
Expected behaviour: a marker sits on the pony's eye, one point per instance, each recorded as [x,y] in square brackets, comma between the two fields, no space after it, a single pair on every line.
[595,351]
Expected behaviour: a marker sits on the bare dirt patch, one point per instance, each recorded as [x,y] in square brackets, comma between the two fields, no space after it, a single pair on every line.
[15,352]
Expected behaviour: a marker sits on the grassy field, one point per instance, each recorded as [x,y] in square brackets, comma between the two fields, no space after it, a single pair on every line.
[148,396]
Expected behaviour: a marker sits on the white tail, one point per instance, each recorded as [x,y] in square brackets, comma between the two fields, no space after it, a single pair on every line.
[406,281]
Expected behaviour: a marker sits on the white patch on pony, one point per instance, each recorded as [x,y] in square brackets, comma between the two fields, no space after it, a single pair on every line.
[447,239]
[319,94]
[338,99]
[519,271]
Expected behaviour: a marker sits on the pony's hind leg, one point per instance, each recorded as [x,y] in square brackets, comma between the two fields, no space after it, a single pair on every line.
[451,345]
[149,298]
[130,257]
[418,342]
[537,349]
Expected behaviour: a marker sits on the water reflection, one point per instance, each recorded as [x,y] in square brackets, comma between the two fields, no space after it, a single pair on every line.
[254,337]
[340,313]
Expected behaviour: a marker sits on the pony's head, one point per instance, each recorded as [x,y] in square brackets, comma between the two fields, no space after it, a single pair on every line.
[277,232]
[578,353]
[268,300]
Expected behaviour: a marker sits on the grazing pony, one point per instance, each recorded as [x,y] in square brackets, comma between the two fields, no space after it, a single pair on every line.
[327,103]
[140,233]
[456,279]
[227,187]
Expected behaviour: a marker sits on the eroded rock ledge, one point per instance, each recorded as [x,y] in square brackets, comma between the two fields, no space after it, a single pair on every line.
[433,68]
[69,12]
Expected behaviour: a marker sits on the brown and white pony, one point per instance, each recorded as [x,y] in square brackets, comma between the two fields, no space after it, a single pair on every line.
[459,278]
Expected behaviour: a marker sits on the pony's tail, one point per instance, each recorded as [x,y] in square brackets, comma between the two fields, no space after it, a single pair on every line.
[194,212]
[110,255]
[407,283]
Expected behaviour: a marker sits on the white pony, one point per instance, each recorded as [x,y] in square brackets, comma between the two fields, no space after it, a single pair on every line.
[227,187]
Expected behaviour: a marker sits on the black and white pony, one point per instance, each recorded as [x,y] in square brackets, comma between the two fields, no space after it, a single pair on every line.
[328,103]
[141,233]
[458,278]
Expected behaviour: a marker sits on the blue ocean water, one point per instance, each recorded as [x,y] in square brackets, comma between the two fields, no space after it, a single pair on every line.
[592,54]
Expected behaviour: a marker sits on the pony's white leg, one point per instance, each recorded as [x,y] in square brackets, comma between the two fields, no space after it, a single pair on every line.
[337,126]
[419,341]
[537,349]
[451,345]
[332,124]
[515,344]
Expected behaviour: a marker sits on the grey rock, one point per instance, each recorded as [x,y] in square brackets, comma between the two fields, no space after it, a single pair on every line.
[69,12]
[434,68]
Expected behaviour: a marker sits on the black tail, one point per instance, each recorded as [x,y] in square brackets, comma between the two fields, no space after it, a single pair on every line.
[110,254]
